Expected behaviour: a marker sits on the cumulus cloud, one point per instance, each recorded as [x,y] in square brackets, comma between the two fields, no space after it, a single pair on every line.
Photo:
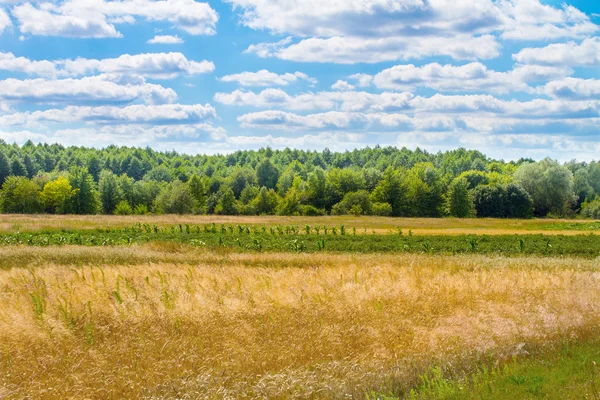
[163,114]
[350,50]
[150,65]
[97,19]
[347,101]
[5,21]
[266,78]
[587,53]
[383,30]
[165,39]
[106,88]
[343,86]
[468,77]
[572,88]
[8,62]
[408,104]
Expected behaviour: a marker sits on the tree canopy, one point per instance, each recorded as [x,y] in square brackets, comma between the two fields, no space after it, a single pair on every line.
[371,181]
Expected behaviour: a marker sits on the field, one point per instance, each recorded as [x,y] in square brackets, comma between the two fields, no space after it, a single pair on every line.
[196,307]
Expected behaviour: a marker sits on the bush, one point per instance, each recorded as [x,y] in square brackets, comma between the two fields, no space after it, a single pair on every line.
[141,209]
[311,211]
[355,203]
[123,208]
[382,209]
[591,210]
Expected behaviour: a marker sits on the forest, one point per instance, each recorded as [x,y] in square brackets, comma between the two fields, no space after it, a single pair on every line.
[51,178]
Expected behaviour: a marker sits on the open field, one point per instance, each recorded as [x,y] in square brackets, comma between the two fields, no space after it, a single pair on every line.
[419,226]
[163,320]
[196,307]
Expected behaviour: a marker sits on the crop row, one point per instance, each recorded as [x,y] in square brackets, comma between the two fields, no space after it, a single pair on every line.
[265,239]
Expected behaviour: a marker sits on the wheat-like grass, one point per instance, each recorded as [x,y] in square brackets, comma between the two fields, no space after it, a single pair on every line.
[198,324]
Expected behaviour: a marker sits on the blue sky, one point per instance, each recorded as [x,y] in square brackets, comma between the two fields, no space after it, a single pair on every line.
[513,78]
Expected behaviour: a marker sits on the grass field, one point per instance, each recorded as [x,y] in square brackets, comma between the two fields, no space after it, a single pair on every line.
[164,318]
[419,226]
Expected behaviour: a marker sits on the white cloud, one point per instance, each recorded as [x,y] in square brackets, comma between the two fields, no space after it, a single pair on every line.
[44,22]
[531,20]
[343,86]
[5,21]
[163,114]
[572,88]
[587,53]
[8,62]
[408,104]
[350,50]
[328,121]
[347,101]
[151,65]
[469,77]
[165,39]
[95,19]
[266,78]
[351,31]
[95,89]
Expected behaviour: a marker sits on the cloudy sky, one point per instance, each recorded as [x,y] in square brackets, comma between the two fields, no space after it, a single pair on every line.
[512,78]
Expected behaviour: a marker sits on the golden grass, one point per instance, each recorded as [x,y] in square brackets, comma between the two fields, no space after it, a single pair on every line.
[197,324]
[419,226]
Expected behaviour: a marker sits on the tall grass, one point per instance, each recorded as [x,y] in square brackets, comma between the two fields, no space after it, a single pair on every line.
[187,323]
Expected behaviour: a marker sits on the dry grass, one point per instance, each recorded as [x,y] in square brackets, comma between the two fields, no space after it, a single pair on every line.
[419,226]
[197,324]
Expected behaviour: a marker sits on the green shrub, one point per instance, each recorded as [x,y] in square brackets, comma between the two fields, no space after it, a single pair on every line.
[141,209]
[591,210]
[382,209]
[311,211]
[123,208]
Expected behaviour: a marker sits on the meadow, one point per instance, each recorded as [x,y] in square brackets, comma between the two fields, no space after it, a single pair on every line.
[177,313]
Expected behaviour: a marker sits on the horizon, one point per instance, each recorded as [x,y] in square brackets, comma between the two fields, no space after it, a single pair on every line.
[512,79]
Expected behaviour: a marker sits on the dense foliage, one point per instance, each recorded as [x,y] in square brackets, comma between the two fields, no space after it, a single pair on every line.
[372,181]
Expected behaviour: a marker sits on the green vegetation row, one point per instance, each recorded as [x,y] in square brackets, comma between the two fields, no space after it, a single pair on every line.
[569,371]
[373,181]
[316,239]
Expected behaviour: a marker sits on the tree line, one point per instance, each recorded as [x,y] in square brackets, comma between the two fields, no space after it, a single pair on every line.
[384,181]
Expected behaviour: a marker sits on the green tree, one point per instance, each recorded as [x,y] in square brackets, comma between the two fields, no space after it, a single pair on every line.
[94,167]
[459,201]
[267,174]
[518,203]
[489,201]
[265,202]
[30,166]
[226,203]
[239,179]
[423,191]
[5,170]
[110,195]
[290,204]
[56,195]
[391,189]
[85,200]
[19,195]
[342,181]
[17,167]
[198,189]
[549,184]
[175,198]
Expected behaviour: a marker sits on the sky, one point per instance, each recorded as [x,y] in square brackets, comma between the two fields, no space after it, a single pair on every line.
[511,78]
